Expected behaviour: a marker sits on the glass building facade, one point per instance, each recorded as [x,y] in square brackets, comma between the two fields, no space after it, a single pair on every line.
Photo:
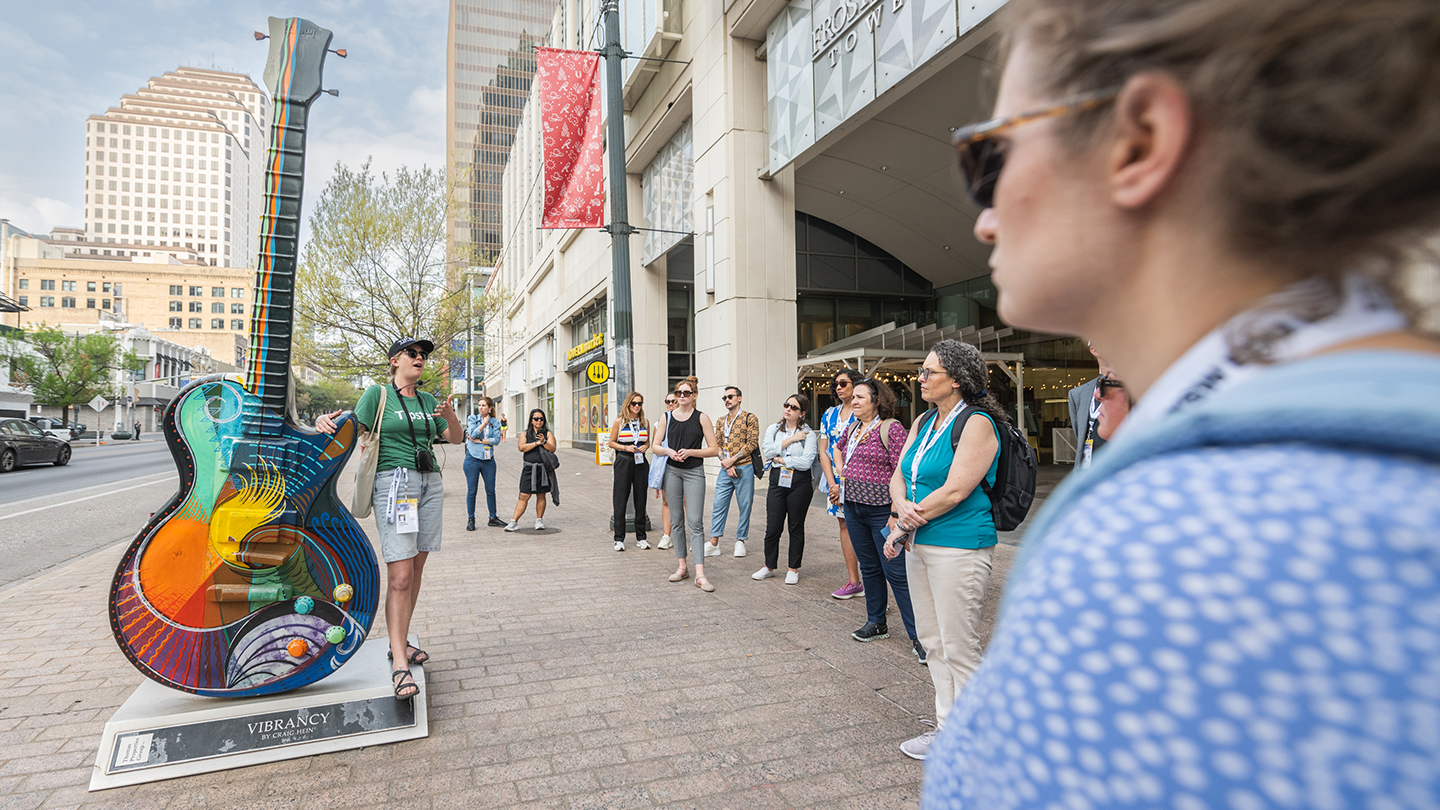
[489,69]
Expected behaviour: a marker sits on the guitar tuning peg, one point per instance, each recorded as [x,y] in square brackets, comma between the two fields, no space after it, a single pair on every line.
[259,36]
[340,53]
[335,93]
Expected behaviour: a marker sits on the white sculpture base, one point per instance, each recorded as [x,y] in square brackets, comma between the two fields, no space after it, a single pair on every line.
[160,733]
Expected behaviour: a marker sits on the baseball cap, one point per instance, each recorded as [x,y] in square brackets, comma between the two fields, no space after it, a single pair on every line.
[404,343]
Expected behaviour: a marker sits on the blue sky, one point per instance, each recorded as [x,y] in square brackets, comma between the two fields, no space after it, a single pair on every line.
[63,61]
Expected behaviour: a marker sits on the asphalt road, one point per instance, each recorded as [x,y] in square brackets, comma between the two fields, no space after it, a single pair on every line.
[50,515]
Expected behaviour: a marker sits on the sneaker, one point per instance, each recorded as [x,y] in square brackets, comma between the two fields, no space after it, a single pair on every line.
[763,573]
[539,524]
[919,747]
[920,652]
[792,577]
[641,544]
[512,526]
[850,590]
[619,545]
[470,524]
[739,548]
[870,632]
[665,542]
[495,521]
[712,551]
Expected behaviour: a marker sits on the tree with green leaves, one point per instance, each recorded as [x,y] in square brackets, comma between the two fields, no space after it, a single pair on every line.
[375,270]
[64,371]
[324,396]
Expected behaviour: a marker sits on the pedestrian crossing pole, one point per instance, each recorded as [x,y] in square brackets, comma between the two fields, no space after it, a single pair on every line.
[622,330]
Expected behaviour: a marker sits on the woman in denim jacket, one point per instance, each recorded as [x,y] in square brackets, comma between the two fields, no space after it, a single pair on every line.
[482,433]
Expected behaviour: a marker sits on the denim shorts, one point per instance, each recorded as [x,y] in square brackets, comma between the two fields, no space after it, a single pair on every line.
[429,488]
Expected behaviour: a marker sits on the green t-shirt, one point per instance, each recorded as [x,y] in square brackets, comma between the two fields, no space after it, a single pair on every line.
[397,449]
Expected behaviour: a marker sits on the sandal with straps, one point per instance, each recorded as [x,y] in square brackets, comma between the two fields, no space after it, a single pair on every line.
[404,690]
[415,658]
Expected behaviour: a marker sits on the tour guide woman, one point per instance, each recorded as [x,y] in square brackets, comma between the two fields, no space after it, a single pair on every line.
[937,499]
[688,429]
[482,433]
[1236,605]
[630,438]
[408,489]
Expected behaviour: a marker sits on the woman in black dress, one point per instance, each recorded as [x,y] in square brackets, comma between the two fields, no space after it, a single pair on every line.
[534,475]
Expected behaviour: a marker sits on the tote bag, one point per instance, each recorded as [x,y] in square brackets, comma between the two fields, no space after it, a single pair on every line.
[362,503]
[657,464]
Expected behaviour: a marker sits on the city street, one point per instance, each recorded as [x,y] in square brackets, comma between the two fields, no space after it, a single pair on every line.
[49,515]
[563,674]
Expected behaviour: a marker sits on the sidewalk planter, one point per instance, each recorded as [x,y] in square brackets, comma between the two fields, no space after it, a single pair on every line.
[120,434]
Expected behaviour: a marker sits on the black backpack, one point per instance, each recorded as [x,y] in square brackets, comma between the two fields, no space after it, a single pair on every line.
[1014,489]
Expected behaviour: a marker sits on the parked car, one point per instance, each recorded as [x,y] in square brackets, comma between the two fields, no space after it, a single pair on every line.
[23,442]
[52,427]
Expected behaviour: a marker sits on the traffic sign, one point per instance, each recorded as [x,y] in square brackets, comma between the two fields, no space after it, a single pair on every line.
[99,403]
[598,372]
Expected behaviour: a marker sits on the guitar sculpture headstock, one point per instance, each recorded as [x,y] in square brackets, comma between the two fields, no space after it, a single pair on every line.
[297,57]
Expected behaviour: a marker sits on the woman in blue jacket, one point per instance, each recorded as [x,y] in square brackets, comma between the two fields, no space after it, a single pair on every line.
[482,433]
[1238,605]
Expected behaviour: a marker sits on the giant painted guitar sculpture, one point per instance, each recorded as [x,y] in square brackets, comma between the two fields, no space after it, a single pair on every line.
[254,578]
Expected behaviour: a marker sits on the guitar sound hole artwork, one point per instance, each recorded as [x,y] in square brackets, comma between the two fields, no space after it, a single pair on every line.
[254,578]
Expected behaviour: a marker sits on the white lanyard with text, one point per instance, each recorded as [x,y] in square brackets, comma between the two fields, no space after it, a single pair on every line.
[860,434]
[1210,366]
[725,450]
[924,445]
[635,434]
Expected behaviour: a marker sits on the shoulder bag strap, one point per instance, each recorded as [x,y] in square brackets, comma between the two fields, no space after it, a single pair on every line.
[410,422]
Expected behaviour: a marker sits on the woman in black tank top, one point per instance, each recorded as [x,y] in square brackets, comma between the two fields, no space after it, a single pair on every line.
[686,437]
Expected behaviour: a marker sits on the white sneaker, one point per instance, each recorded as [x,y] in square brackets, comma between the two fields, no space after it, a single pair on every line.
[739,548]
[792,577]
[665,542]
[763,573]
[642,545]
[919,748]
[512,526]
[712,551]
[539,524]
[619,545]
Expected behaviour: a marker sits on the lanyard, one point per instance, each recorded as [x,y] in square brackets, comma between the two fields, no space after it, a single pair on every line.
[861,432]
[411,424]
[923,446]
[1210,365]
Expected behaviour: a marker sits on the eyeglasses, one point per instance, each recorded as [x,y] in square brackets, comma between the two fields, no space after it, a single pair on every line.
[982,156]
[684,393]
[925,373]
[416,354]
[790,407]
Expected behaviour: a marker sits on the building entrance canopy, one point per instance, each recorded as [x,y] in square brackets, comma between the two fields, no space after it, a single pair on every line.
[903,348]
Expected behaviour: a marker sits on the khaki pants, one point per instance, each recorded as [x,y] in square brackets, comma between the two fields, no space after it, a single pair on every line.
[947,589]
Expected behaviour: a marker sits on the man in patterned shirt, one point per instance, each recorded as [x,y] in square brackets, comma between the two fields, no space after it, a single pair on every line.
[739,435]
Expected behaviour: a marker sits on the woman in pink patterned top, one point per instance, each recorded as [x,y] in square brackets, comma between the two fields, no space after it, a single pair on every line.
[866,455]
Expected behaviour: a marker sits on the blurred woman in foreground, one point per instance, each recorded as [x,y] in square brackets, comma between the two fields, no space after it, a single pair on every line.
[1236,605]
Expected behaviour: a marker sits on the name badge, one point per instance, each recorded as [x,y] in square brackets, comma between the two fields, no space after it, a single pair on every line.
[840,486]
[724,454]
[787,476]
[639,458]
[487,452]
[407,515]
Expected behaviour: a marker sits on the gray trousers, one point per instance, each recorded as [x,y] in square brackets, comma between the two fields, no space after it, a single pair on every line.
[687,486]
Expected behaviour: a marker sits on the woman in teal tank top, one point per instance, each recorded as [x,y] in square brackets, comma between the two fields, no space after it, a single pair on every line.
[942,516]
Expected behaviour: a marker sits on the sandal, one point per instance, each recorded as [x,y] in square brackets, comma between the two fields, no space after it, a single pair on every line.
[679,575]
[404,690]
[704,584]
[415,658]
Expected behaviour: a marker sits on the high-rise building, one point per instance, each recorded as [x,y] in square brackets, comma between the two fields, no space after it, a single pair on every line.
[180,163]
[490,62]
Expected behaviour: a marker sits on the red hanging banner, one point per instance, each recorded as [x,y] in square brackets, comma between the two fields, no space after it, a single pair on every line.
[569,93]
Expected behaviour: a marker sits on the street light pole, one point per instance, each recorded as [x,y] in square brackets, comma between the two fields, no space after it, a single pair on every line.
[623,330]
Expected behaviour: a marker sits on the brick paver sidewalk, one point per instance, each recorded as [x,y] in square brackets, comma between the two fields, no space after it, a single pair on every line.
[562,675]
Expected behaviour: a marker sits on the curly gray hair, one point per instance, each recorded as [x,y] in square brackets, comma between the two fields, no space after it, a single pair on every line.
[966,366]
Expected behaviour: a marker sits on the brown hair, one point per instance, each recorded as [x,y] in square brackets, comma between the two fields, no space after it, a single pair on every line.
[881,395]
[624,415]
[1320,118]
[694,385]
[804,403]
[489,403]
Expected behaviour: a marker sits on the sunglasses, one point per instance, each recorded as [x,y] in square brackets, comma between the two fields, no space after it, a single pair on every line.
[790,407]
[728,397]
[982,156]
[416,354]
[684,393]
[636,404]
[669,402]
[1106,384]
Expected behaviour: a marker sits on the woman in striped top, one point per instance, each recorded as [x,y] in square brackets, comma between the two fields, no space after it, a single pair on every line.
[630,438]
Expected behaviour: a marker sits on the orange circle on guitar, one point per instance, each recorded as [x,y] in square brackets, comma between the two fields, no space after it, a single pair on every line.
[296,647]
